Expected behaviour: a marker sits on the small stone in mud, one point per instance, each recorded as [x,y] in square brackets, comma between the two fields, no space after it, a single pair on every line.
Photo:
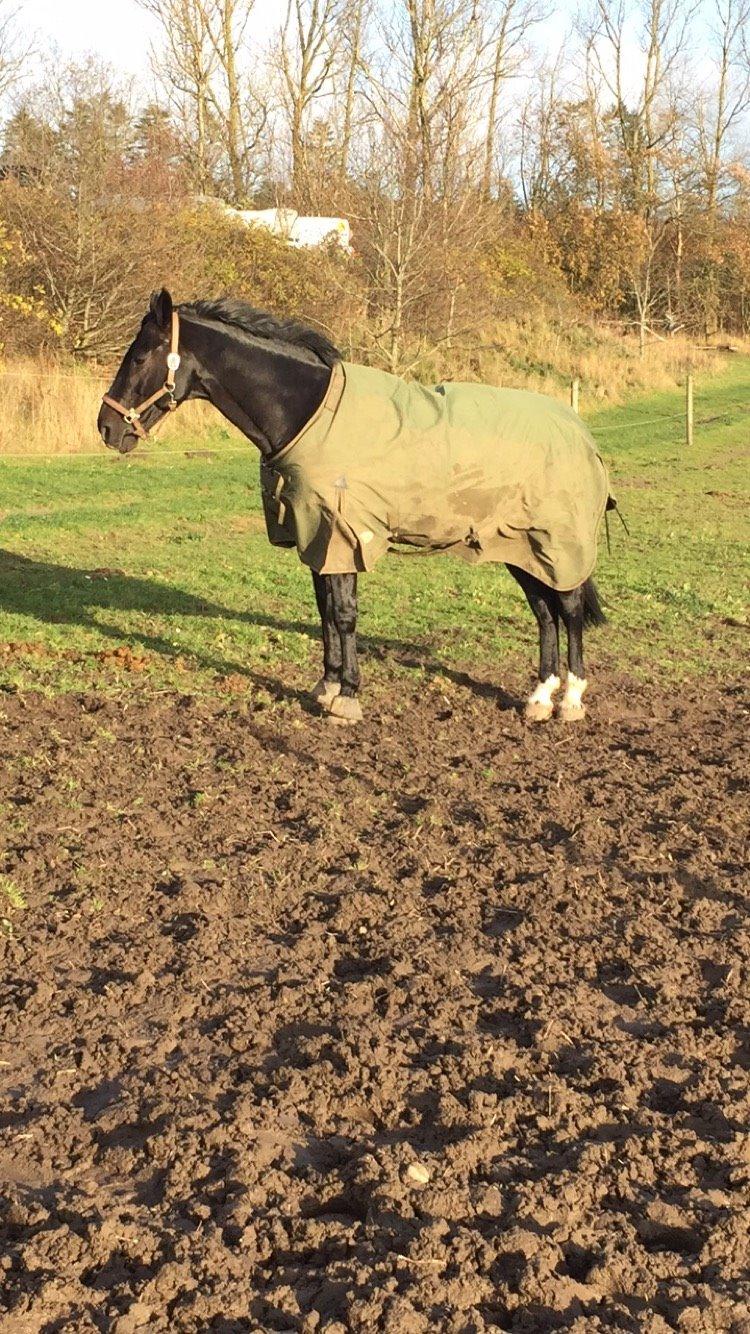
[418,1174]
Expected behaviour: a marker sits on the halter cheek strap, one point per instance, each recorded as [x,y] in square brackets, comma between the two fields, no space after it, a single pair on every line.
[132,416]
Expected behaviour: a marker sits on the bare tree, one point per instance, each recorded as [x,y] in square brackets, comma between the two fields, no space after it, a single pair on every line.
[185,69]
[201,67]
[439,49]
[645,112]
[642,266]
[640,95]
[409,263]
[424,221]
[722,106]
[242,113]
[508,25]
[539,146]
[14,51]
[418,86]
[310,42]
[355,25]
[719,110]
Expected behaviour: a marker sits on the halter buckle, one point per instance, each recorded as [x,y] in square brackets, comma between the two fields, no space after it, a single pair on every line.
[173,361]
[131,417]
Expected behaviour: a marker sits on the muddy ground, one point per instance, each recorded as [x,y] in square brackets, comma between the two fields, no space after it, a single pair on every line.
[435,1025]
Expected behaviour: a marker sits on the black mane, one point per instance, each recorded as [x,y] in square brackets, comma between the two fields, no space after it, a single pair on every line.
[241,315]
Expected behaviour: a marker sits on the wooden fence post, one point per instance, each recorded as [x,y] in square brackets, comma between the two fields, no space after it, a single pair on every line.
[689,410]
[574,388]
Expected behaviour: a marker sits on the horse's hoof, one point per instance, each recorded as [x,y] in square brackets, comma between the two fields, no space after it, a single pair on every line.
[572,710]
[324,692]
[538,710]
[539,706]
[572,713]
[345,710]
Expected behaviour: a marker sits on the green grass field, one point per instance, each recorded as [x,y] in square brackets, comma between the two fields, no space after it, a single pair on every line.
[157,568]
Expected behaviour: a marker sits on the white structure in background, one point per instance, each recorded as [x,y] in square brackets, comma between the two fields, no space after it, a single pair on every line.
[285,222]
[297,230]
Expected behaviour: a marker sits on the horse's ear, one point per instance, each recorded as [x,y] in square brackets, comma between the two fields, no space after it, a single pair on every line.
[161,309]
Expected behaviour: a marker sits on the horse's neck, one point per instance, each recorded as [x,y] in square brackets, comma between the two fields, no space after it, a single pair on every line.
[265,392]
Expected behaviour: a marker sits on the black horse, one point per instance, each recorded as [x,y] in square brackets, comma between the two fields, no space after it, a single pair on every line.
[269,377]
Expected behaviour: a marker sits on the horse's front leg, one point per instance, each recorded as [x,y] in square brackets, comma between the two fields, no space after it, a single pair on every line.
[337,602]
[329,685]
[346,707]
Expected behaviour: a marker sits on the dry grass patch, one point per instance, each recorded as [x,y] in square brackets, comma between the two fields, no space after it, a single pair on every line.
[49,408]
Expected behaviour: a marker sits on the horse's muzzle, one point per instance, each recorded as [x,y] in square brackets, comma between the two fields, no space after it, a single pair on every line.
[114,432]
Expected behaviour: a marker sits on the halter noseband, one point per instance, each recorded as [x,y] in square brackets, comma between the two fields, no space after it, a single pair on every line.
[132,416]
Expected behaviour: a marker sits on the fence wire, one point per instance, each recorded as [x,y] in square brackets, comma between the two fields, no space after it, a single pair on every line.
[650,421]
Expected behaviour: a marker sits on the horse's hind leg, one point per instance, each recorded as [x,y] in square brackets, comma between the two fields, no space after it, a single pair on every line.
[572,708]
[544,604]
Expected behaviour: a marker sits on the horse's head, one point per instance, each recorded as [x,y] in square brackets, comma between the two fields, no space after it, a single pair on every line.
[151,380]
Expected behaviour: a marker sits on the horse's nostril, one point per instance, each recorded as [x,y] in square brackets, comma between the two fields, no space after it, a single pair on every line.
[105,434]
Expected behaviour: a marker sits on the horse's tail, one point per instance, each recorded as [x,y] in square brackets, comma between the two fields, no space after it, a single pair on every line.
[593,613]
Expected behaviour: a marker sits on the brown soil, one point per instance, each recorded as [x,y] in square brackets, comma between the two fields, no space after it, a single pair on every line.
[432,1025]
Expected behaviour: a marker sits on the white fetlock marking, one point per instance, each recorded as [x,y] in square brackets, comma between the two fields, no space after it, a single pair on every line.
[574,689]
[539,706]
[545,690]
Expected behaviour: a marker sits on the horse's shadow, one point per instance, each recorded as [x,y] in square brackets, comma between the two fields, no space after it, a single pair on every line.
[65,595]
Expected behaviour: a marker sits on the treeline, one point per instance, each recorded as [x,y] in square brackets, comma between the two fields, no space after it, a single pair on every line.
[483,184]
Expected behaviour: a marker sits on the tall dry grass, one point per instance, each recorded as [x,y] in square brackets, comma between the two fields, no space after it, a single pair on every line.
[534,354]
[610,367]
[49,409]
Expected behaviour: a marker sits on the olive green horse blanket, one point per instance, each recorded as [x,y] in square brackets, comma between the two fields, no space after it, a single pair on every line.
[489,474]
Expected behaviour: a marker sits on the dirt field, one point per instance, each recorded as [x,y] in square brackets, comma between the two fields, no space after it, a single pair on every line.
[436,1025]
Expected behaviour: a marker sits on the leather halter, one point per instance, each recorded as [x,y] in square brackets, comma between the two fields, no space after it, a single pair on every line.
[132,416]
